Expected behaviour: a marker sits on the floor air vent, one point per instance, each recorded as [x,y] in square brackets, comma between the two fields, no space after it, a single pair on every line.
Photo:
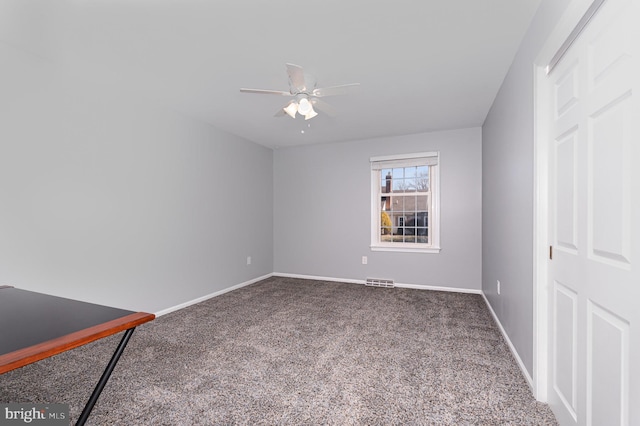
[377,282]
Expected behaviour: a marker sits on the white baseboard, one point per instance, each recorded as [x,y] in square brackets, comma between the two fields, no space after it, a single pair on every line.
[439,288]
[318,278]
[352,281]
[209,296]
[526,374]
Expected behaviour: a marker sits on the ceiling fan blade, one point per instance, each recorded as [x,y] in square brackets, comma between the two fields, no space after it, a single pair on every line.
[323,107]
[296,77]
[336,90]
[266,92]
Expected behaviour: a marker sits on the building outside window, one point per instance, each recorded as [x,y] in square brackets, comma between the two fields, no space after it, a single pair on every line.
[405,202]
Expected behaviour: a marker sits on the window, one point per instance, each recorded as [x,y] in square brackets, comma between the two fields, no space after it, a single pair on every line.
[405,203]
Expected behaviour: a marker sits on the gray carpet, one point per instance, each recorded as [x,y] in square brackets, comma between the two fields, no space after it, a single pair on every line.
[299,352]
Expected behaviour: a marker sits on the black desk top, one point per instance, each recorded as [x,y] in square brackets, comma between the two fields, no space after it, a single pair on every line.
[34,326]
[28,318]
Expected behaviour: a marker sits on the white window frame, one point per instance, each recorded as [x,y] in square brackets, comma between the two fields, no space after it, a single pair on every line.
[390,161]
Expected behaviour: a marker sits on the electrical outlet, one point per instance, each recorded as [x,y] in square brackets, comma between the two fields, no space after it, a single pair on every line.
[364,260]
[498,286]
[248,260]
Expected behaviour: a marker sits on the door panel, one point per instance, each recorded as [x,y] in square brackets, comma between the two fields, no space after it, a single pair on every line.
[607,367]
[567,193]
[566,338]
[609,179]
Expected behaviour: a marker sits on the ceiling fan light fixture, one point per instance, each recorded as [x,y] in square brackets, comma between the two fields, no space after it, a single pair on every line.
[311,114]
[304,106]
[291,109]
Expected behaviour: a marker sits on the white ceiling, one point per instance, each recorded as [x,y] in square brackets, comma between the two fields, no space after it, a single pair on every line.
[423,65]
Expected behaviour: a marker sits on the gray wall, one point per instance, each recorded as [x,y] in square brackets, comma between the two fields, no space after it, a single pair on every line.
[508,189]
[107,199]
[322,211]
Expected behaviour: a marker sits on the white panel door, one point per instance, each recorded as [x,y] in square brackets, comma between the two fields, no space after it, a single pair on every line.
[594,205]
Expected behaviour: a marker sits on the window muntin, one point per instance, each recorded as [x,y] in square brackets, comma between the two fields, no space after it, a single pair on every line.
[404,203]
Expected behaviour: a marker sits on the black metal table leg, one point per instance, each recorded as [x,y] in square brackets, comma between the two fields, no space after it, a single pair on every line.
[105,377]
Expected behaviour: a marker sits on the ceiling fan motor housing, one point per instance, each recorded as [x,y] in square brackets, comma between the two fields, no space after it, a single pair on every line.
[309,85]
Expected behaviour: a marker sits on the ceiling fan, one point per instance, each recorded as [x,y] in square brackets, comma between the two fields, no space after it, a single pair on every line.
[302,87]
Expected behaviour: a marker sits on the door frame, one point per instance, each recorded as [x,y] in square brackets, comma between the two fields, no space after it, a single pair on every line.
[542,312]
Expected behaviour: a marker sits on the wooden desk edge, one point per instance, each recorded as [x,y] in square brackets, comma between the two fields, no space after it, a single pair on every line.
[34,353]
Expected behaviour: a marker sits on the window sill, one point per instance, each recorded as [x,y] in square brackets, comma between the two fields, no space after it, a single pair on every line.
[406,249]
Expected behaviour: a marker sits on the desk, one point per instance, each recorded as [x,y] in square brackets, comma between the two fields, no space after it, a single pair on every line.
[34,326]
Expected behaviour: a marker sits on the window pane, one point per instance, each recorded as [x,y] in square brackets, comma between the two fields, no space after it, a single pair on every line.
[399,185]
[410,204]
[385,203]
[410,172]
[423,178]
[397,204]
[409,230]
[385,181]
[411,184]
[385,224]
[422,202]
[398,173]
